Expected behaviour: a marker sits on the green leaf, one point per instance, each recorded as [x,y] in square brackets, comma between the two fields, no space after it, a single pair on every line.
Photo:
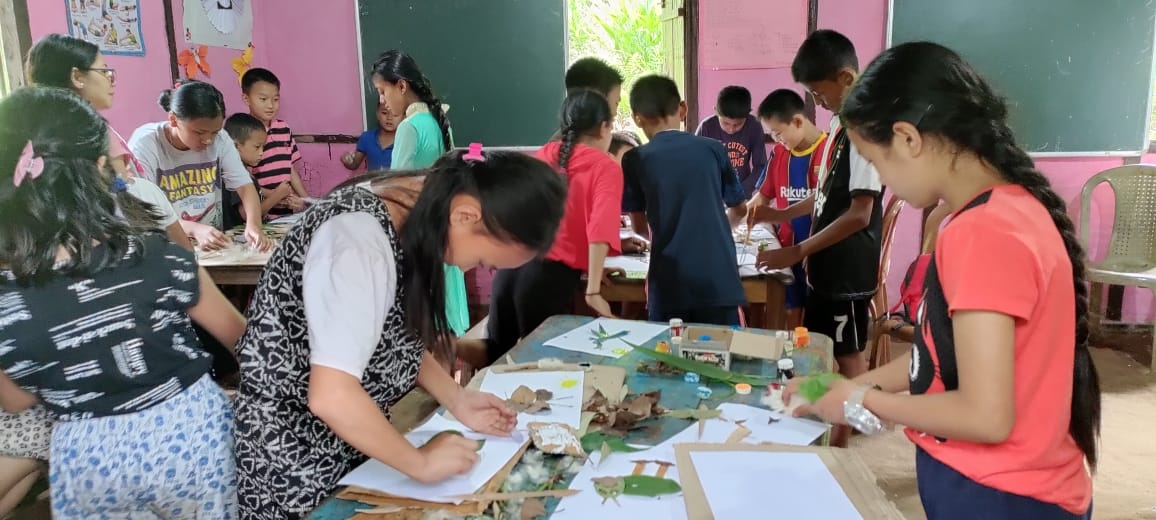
[648,486]
[815,387]
[481,442]
[592,442]
[697,414]
[702,369]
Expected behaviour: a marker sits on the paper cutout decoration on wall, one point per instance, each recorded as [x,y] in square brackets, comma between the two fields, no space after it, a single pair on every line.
[225,15]
[242,63]
[219,23]
[194,61]
[113,25]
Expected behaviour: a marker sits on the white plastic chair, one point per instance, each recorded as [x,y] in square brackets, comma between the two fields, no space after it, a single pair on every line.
[1131,257]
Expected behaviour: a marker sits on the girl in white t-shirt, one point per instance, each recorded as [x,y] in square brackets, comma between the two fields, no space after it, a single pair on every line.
[191,160]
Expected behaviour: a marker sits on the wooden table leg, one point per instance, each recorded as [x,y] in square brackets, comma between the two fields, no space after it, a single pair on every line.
[774,312]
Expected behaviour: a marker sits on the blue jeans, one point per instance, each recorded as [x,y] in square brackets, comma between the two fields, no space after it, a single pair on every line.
[949,495]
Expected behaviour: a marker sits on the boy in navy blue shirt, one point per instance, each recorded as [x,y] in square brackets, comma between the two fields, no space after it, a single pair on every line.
[678,183]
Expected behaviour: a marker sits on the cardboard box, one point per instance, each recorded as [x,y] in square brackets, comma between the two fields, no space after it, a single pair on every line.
[724,342]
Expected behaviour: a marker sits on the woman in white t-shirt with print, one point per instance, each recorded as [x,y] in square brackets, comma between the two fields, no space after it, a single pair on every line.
[190,159]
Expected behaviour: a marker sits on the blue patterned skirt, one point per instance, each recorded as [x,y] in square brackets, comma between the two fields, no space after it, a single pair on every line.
[174,461]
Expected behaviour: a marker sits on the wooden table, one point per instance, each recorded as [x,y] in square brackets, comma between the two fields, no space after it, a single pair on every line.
[766,295]
[676,394]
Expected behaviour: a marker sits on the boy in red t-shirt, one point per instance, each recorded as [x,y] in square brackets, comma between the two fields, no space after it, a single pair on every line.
[791,177]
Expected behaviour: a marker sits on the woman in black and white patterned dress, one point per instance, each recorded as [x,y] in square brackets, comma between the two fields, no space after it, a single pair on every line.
[349,316]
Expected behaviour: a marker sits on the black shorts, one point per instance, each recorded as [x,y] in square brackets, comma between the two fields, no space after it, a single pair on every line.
[844,321]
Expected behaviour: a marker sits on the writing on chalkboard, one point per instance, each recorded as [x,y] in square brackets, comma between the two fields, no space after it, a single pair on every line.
[752,34]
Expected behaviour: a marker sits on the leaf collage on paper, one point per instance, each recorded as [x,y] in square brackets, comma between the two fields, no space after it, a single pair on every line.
[525,400]
[600,336]
[618,419]
[610,488]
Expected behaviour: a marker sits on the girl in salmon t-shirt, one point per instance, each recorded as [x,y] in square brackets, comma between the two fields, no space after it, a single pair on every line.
[1004,407]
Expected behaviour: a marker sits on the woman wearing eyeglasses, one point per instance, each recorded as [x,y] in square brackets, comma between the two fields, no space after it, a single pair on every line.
[77,65]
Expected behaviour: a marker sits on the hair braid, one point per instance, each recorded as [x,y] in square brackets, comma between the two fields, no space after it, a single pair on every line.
[1016,167]
[569,138]
[424,91]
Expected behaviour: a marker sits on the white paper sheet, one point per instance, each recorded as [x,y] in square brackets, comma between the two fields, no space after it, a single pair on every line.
[565,407]
[581,339]
[493,456]
[587,504]
[798,432]
[796,485]
[636,266]
[787,430]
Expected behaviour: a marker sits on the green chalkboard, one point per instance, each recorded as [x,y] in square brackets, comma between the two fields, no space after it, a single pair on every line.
[1077,73]
[499,64]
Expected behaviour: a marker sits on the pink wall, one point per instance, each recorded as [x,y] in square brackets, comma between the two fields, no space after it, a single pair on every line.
[865,22]
[321,92]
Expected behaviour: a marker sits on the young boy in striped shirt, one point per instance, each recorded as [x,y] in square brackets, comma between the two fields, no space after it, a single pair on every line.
[261,92]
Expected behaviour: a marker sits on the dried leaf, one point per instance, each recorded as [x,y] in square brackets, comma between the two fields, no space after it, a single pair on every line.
[584,422]
[532,508]
[609,487]
[523,396]
[525,400]
[537,406]
[639,406]
[596,403]
[622,395]
[648,486]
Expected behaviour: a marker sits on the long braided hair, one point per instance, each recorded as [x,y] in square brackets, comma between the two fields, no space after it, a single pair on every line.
[932,87]
[394,66]
[584,112]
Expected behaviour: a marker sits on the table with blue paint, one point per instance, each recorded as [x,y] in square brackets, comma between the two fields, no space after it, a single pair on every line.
[676,393]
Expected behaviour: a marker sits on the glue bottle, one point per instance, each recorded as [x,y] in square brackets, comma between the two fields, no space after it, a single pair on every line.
[675,327]
[676,345]
[786,370]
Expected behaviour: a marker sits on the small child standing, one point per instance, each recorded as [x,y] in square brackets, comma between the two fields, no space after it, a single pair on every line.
[261,92]
[791,178]
[374,147]
[675,183]
[740,133]
[249,135]
[842,252]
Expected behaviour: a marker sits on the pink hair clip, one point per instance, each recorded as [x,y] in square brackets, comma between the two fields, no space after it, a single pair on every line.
[29,165]
[475,153]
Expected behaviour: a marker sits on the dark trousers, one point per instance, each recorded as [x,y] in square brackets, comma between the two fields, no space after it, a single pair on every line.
[522,298]
[706,315]
[949,495]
